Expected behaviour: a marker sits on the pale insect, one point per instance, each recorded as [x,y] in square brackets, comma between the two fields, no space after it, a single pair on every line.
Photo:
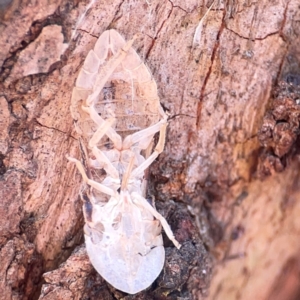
[123,235]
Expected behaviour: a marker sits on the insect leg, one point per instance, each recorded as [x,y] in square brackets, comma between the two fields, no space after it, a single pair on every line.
[107,165]
[98,186]
[141,201]
[100,132]
[158,149]
[144,134]
[100,156]
[111,133]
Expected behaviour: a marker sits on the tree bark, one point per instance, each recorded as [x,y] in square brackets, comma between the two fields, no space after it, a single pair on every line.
[227,181]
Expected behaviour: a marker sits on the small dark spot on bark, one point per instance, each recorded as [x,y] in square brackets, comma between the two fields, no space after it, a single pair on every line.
[237,232]
[2,165]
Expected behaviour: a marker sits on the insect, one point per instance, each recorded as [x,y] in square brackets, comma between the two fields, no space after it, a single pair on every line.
[116,112]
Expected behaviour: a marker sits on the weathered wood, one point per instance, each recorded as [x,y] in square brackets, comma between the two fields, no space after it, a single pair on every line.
[242,193]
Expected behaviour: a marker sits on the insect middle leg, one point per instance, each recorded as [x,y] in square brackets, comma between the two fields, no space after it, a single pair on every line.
[98,186]
[110,169]
[143,137]
[158,149]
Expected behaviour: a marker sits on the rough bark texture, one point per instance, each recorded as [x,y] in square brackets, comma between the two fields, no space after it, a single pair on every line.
[227,181]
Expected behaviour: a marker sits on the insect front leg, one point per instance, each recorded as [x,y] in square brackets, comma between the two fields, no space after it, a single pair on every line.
[98,186]
[141,201]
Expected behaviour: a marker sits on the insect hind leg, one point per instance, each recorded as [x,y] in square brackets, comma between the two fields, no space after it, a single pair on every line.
[141,201]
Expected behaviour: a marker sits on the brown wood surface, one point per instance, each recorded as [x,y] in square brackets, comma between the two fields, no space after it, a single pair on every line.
[227,181]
